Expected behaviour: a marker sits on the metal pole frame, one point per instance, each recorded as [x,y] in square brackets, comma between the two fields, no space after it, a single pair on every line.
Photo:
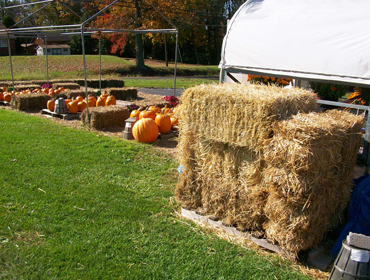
[100,64]
[81,27]
[174,74]
[47,62]
[10,58]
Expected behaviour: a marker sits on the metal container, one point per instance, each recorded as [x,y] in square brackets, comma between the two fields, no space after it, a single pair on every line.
[127,134]
[60,106]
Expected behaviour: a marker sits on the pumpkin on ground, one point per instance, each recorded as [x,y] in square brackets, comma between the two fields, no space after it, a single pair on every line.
[156,109]
[8,97]
[145,130]
[147,114]
[135,114]
[164,123]
[100,102]
[111,100]
[1,96]
[50,105]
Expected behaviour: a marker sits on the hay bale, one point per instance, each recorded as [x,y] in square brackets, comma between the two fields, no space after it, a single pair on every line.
[241,115]
[115,83]
[221,181]
[79,92]
[123,93]
[66,85]
[106,117]
[26,102]
[309,171]
[26,86]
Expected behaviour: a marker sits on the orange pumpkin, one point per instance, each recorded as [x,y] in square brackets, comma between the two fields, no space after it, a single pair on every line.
[135,114]
[155,109]
[111,100]
[92,98]
[73,107]
[50,105]
[81,105]
[100,102]
[174,121]
[67,101]
[79,98]
[145,130]
[147,114]
[8,97]
[163,122]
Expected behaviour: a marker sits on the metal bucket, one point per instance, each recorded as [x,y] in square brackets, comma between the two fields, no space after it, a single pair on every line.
[60,106]
[351,264]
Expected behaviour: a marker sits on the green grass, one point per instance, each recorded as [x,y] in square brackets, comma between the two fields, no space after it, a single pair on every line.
[78,205]
[167,83]
[71,67]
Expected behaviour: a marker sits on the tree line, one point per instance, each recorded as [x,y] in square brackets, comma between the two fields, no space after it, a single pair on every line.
[201,23]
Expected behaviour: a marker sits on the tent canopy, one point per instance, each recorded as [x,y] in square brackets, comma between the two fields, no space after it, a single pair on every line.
[322,40]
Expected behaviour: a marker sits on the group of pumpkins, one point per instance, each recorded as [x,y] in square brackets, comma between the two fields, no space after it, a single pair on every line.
[79,104]
[7,93]
[152,121]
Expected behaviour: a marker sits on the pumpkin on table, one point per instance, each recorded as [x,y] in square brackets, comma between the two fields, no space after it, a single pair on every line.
[145,130]
[73,107]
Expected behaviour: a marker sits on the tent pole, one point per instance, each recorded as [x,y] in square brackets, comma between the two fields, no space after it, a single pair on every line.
[10,59]
[100,64]
[174,78]
[47,64]
[84,63]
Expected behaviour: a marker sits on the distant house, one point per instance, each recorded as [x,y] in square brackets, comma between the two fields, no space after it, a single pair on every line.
[4,42]
[56,45]
[62,49]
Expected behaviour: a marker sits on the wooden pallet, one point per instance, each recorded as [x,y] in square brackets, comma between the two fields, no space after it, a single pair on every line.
[4,103]
[192,215]
[68,116]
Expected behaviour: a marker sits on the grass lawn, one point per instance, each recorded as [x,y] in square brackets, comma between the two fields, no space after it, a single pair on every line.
[79,205]
[71,67]
[167,83]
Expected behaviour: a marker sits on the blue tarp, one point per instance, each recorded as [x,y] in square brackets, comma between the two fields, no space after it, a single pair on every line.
[359,212]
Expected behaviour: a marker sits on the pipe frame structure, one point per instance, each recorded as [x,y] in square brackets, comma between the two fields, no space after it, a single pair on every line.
[80,29]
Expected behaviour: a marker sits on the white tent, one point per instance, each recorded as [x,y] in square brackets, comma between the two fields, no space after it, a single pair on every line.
[322,40]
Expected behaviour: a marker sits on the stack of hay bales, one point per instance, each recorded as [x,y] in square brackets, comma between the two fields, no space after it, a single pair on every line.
[309,172]
[240,147]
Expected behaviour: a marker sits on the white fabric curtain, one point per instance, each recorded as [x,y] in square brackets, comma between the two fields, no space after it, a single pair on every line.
[325,40]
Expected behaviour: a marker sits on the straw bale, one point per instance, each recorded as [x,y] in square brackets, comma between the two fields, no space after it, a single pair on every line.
[128,93]
[297,226]
[26,86]
[114,83]
[310,149]
[67,85]
[25,102]
[221,181]
[241,115]
[106,117]
[309,171]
